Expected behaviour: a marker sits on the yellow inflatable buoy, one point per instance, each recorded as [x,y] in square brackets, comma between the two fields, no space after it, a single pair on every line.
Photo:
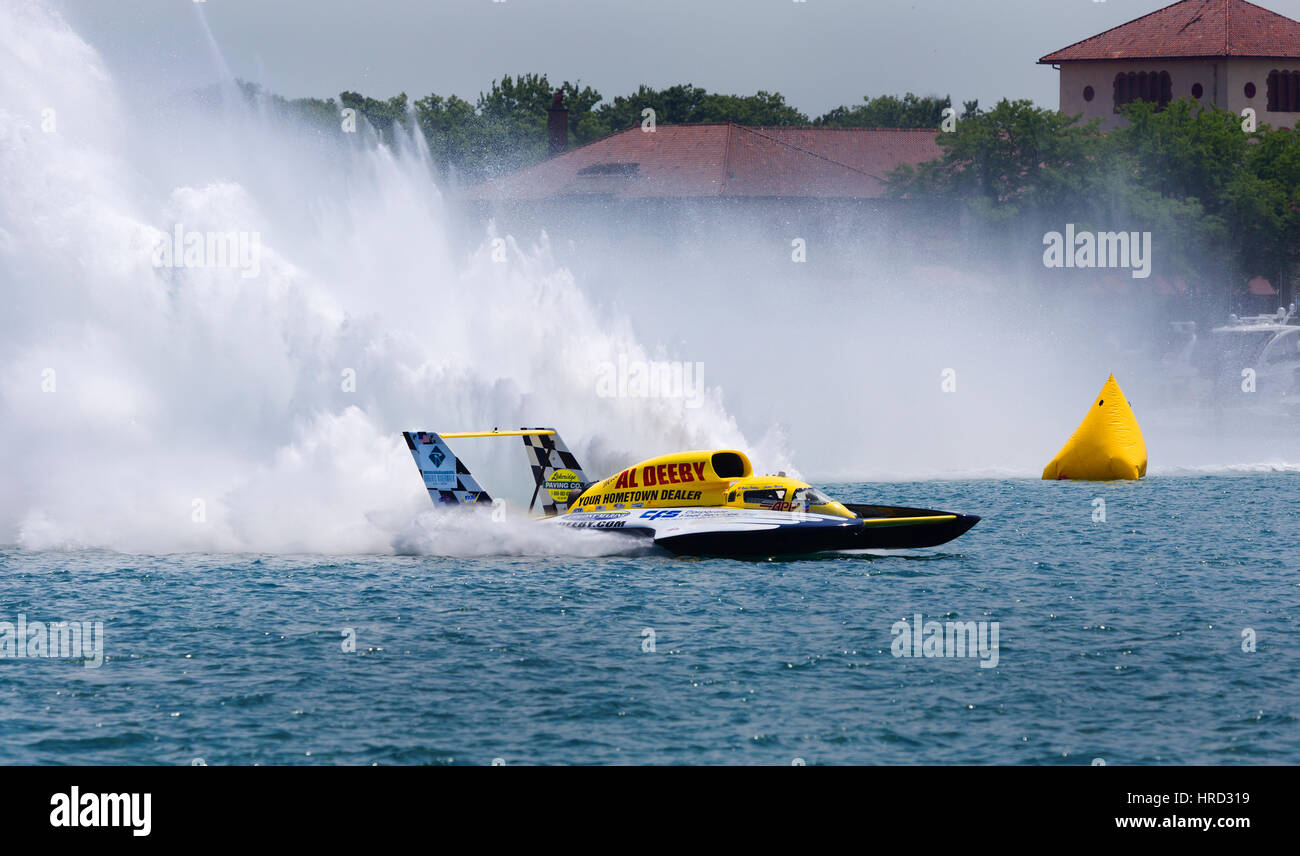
[1107,444]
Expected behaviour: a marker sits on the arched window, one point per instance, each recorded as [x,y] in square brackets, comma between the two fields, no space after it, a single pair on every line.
[1283,91]
[1154,86]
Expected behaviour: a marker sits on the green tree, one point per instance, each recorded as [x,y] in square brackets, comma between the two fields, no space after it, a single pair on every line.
[455,133]
[1222,204]
[1014,158]
[1263,203]
[688,103]
[505,129]
[1182,150]
[382,115]
[890,111]
[521,103]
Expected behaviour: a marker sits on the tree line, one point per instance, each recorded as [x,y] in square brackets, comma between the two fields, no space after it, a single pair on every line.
[1220,196]
[1219,193]
[505,127]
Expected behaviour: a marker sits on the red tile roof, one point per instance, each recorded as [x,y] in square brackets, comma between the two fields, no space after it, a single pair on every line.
[1192,28]
[720,160]
[1259,285]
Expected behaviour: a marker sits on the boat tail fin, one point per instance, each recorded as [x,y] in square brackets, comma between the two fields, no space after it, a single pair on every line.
[558,477]
[445,476]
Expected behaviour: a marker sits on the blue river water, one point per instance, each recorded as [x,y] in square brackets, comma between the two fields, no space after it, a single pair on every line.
[1127,639]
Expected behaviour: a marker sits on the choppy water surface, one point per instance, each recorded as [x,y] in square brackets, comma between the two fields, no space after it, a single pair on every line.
[1120,640]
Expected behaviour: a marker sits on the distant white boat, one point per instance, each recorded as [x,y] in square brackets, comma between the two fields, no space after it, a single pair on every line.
[1255,354]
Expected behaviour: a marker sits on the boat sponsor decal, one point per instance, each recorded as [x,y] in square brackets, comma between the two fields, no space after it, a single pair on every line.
[561,484]
[440,481]
[660,513]
[588,523]
[639,497]
[699,513]
[739,515]
[661,474]
[442,475]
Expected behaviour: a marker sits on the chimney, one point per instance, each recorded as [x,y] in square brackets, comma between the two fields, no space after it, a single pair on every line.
[557,126]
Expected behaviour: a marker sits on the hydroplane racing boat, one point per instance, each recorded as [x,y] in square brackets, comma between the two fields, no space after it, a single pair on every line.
[698,503]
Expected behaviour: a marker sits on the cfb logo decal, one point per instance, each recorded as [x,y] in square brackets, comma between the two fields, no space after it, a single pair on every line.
[663,514]
[561,484]
[682,513]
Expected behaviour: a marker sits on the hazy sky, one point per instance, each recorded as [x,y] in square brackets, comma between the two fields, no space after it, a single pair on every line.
[818,53]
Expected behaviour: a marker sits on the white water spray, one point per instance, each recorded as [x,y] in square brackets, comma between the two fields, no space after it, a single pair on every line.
[194,407]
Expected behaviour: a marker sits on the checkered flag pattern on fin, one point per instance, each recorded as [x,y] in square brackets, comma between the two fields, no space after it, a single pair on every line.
[557,476]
